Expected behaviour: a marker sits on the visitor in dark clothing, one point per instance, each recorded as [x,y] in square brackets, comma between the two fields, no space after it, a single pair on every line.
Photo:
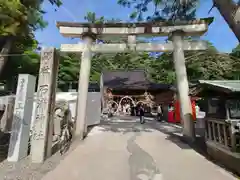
[159,113]
[132,110]
[141,115]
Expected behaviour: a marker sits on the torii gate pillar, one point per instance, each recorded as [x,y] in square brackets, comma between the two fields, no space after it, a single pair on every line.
[182,85]
[83,84]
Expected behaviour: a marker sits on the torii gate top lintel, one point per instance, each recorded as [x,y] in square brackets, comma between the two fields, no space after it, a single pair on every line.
[163,28]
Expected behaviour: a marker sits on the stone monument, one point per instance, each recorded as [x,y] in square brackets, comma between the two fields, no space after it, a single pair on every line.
[22,113]
[7,106]
[42,130]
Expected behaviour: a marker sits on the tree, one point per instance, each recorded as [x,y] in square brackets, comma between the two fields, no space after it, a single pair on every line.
[184,10]
[211,65]
[162,69]
[91,18]
[163,9]
[230,11]
[208,65]
[27,62]
[68,70]
[19,19]
[235,54]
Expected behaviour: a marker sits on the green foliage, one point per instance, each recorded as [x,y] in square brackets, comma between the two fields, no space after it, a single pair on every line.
[68,70]
[56,2]
[163,9]
[18,21]
[27,62]
[236,52]
[91,18]
[235,55]
[209,64]
[21,17]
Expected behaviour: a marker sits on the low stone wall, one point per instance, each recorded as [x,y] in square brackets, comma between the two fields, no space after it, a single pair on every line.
[225,157]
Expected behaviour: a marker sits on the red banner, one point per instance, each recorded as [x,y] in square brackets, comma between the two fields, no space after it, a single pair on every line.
[177,110]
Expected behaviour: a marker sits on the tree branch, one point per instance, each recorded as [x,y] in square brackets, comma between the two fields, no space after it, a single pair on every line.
[231,13]
[213,6]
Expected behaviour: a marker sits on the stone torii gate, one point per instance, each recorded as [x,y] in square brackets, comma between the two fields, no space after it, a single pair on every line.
[90,32]
[42,130]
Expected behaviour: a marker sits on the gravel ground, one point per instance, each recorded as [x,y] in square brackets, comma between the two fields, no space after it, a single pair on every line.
[25,170]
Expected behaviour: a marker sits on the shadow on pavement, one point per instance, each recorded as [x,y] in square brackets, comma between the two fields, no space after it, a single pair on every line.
[173,132]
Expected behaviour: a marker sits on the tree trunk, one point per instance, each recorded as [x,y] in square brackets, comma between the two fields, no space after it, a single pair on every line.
[230,11]
[3,54]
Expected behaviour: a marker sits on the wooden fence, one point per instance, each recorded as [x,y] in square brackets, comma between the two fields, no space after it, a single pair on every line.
[221,132]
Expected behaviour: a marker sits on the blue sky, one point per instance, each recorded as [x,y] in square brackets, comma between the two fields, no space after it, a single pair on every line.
[74,10]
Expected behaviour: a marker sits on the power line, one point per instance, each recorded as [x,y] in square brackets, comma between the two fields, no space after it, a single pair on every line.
[68,12]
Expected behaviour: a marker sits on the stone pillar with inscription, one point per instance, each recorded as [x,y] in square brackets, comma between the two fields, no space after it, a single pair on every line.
[22,114]
[42,130]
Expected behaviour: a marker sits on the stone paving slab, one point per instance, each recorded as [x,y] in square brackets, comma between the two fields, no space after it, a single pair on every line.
[130,151]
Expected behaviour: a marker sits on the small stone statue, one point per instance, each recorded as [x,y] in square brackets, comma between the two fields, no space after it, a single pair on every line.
[62,116]
[148,98]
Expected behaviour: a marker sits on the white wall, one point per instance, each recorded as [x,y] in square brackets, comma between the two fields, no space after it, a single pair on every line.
[70,97]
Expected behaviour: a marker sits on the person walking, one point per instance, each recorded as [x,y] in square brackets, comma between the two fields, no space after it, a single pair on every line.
[159,113]
[141,114]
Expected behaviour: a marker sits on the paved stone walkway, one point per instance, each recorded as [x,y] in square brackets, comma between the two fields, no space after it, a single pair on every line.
[126,150]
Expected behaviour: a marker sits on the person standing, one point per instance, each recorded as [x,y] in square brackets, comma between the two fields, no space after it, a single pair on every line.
[134,110]
[141,114]
[159,113]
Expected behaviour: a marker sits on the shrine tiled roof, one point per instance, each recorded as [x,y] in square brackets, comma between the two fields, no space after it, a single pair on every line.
[227,86]
[135,79]
[222,85]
